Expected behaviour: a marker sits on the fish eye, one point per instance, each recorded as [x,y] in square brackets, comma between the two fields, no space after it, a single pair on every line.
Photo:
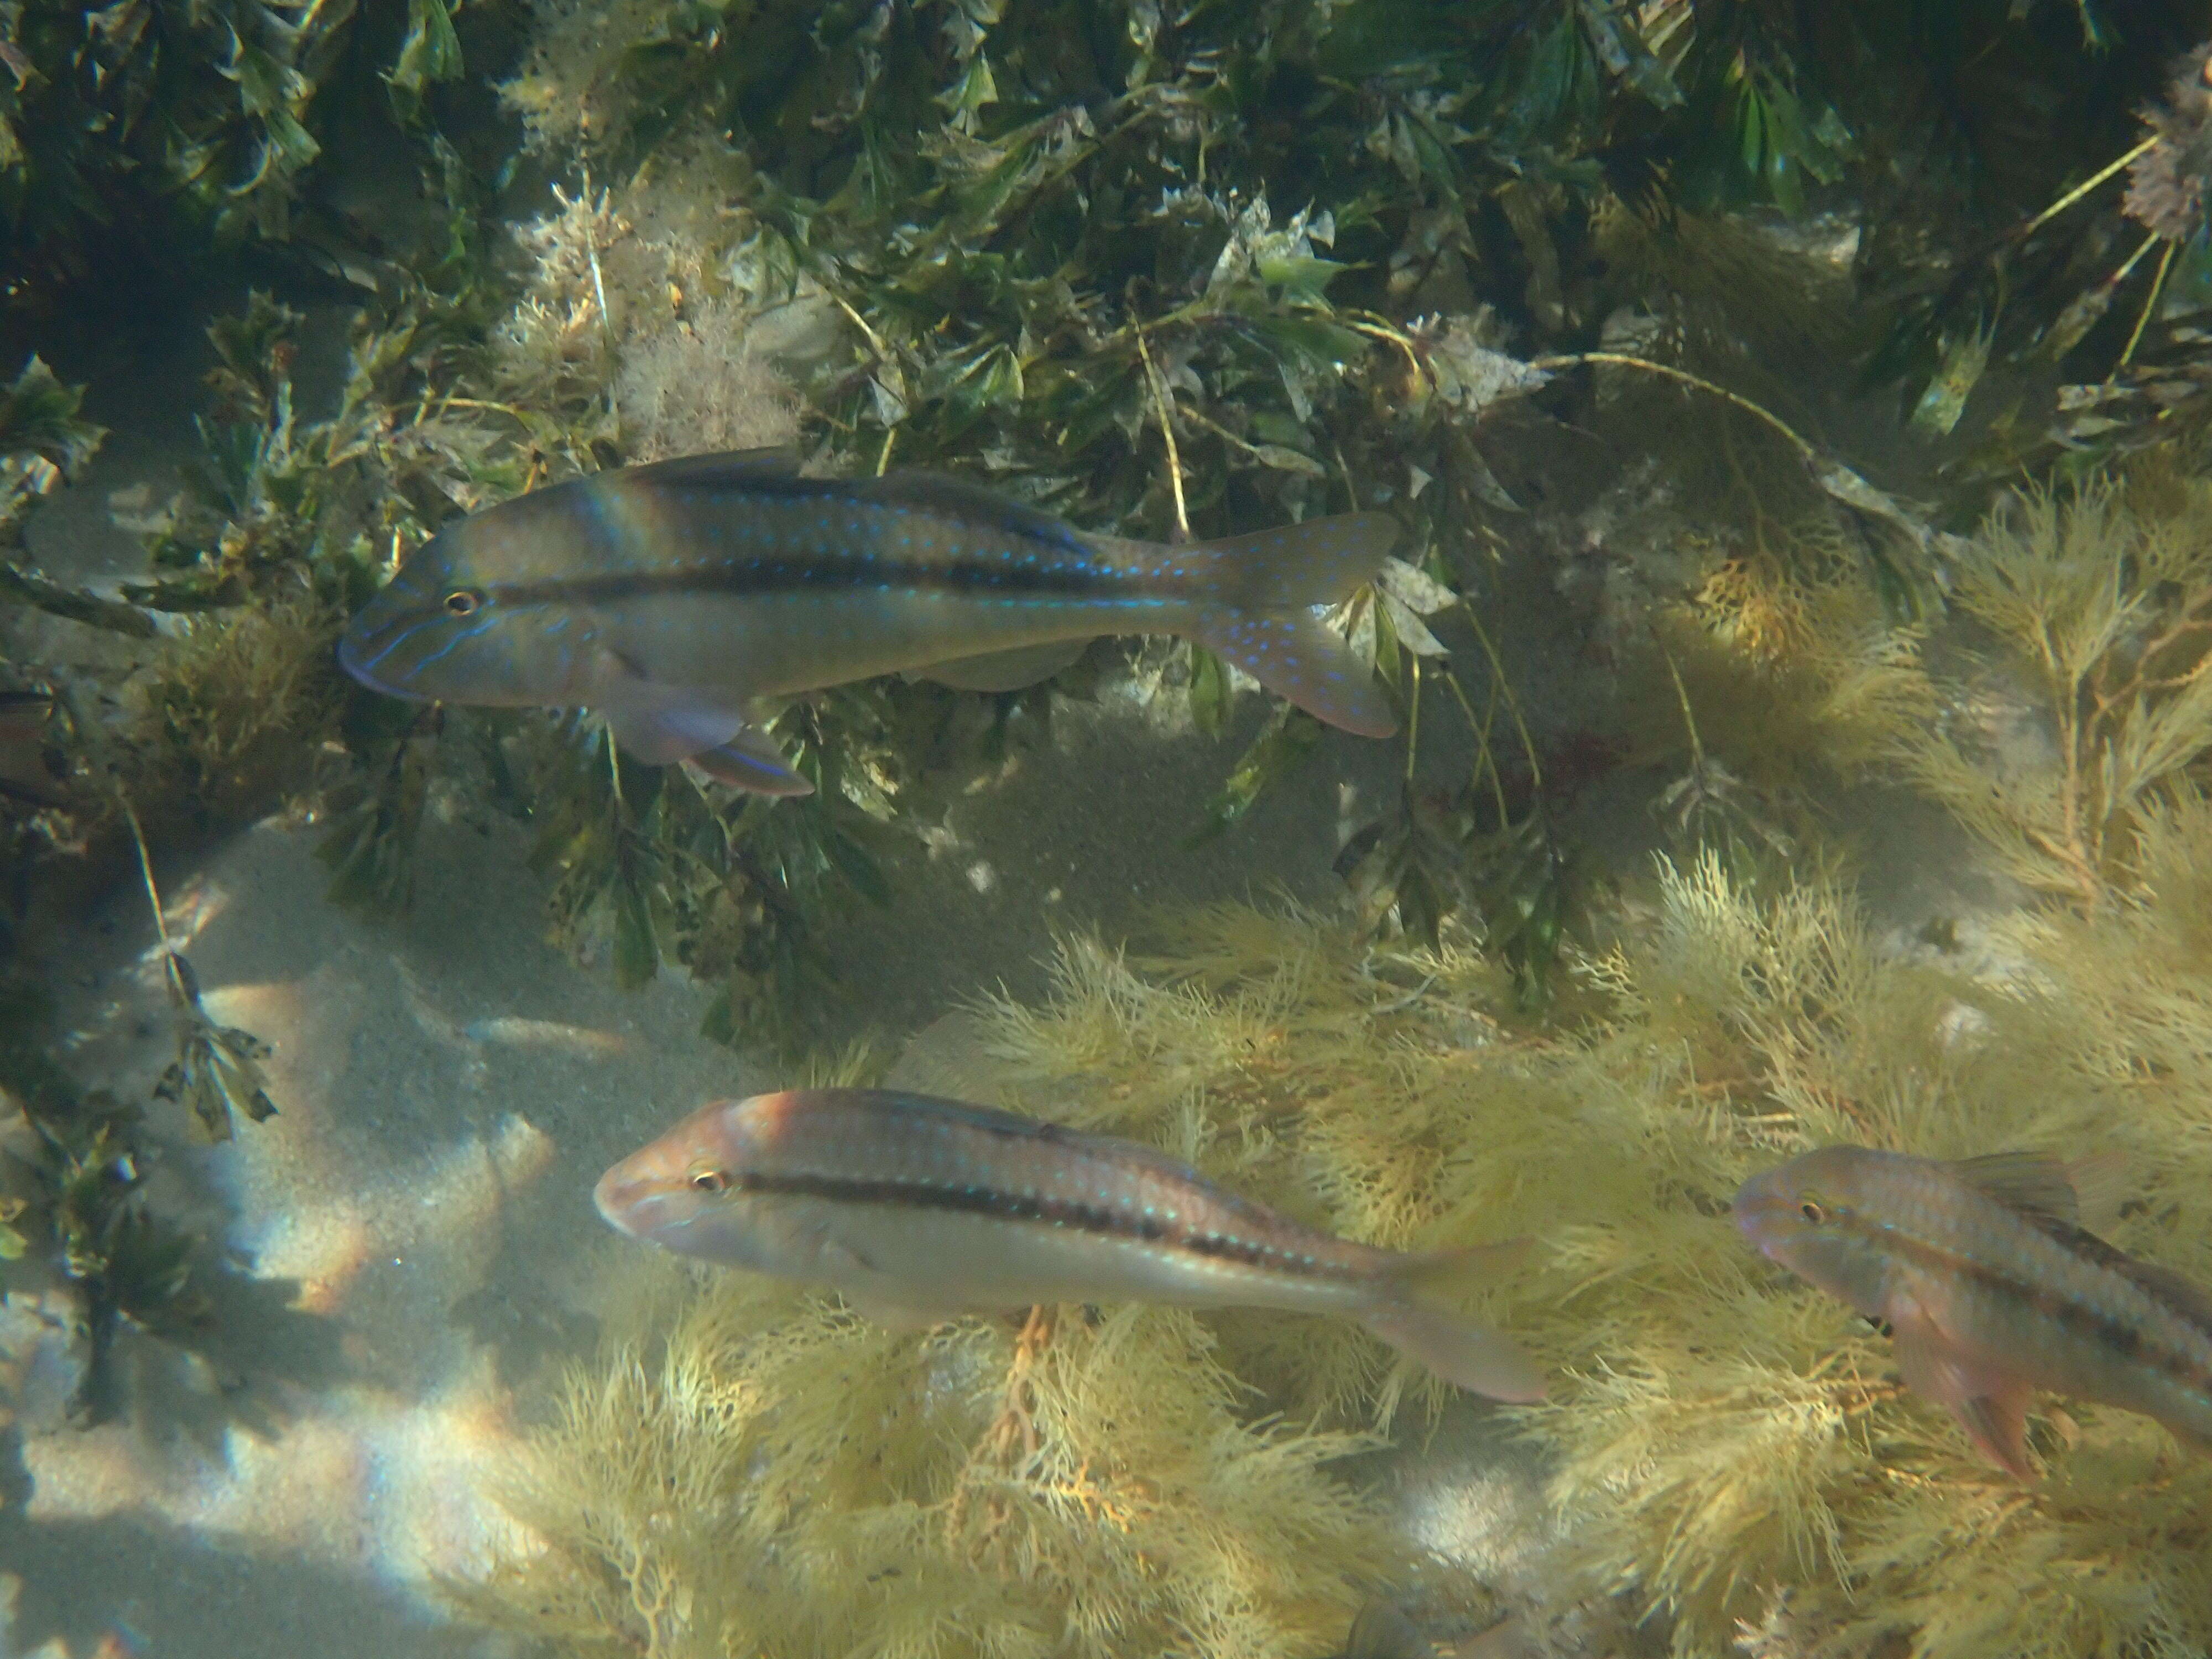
[1812,1211]
[463,601]
[710,1181]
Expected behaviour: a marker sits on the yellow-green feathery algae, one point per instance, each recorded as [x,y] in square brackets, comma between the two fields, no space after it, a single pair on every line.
[1729,1447]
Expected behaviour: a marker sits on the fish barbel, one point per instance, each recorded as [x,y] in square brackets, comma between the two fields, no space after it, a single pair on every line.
[673,597]
[1990,1287]
[919,1209]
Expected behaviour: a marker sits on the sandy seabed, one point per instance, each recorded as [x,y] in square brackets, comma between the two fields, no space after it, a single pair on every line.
[412,1236]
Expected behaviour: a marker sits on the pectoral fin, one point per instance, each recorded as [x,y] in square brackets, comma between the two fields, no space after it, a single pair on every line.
[718,741]
[663,731]
[751,760]
[869,1294]
[1989,1404]
[1005,670]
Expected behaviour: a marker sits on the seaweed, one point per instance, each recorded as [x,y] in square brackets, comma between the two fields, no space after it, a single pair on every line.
[160,135]
[1729,1450]
[1051,245]
[236,713]
[657,864]
[369,847]
[74,1209]
[2095,600]
[45,443]
[1171,274]
[1089,1487]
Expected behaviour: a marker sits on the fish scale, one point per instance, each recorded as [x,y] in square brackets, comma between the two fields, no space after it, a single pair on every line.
[917,1207]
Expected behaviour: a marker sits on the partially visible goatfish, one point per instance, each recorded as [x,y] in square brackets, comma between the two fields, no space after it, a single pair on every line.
[1992,1290]
[674,597]
[918,1209]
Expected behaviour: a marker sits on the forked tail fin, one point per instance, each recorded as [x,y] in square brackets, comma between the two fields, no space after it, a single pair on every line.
[1269,583]
[1462,1350]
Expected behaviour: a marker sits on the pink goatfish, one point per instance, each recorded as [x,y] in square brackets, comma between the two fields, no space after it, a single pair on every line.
[1982,1272]
[674,597]
[919,1209]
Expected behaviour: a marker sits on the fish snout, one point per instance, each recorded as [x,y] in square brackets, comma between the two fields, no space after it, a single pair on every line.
[366,649]
[1763,1214]
[618,1196]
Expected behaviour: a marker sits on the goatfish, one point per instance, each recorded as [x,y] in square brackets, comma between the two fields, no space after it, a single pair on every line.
[1990,1287]
[679,597]
[918,1210]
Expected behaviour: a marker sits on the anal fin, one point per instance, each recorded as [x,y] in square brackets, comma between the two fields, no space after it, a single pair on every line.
[1005,670]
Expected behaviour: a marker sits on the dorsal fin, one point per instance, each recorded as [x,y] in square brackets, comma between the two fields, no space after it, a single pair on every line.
[2101,1186]
[723,467]
[940,492]
[2035,1184]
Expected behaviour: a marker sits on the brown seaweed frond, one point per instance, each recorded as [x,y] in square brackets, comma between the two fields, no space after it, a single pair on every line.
[558,348]
[2166,180]
[236,711]
[571,88]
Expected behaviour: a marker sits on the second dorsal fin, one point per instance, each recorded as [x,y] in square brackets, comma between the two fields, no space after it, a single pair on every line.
[724,466]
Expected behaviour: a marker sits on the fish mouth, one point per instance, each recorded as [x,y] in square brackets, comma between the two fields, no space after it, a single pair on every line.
[367,643]
[1758,1210]
[614,1196]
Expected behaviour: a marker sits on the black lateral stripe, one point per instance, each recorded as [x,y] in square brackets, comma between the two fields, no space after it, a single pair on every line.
[1019,1206]
[2125,1340]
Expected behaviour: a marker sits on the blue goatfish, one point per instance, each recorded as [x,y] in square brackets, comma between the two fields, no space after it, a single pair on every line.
[1983,1275]
[919,1209]
[674,597]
